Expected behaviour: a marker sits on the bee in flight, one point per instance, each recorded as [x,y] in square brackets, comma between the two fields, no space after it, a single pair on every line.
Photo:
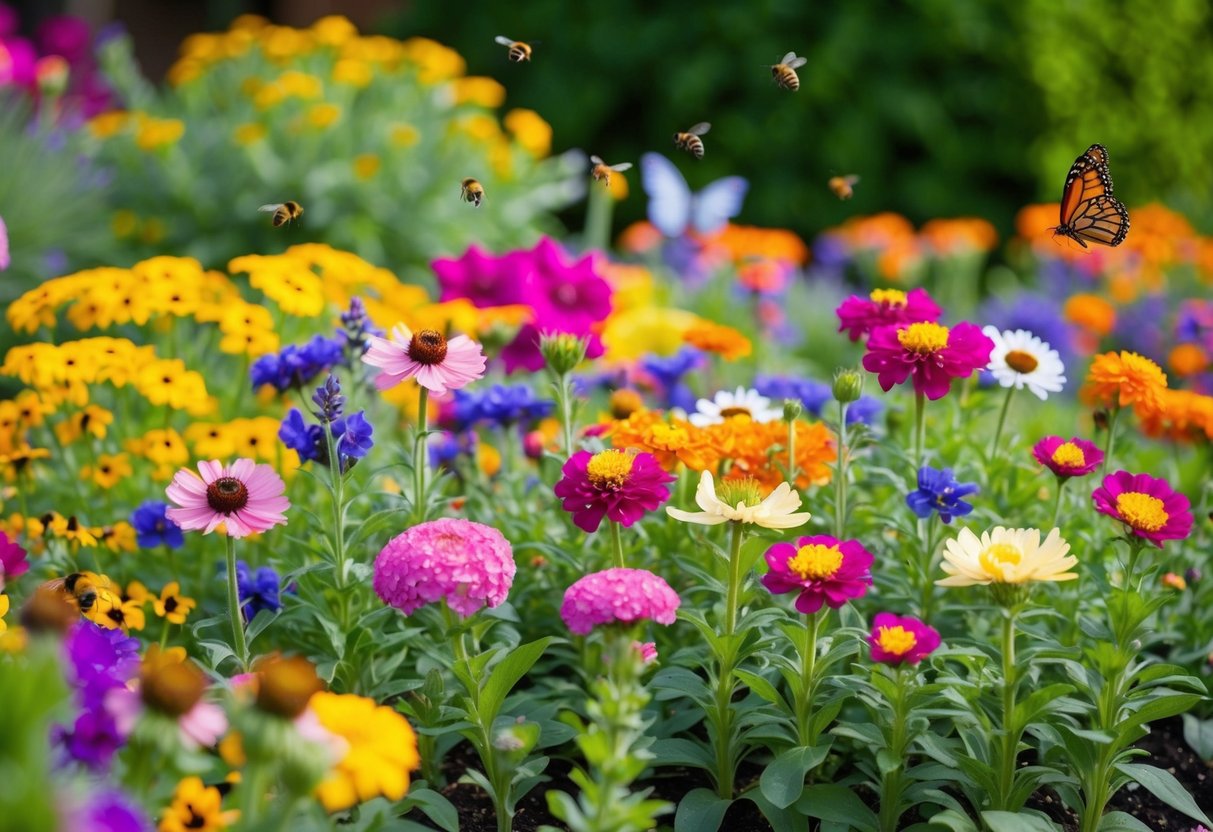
[690,141]
[472,191]
[784,72]
[519,51]
[283,212]
[601,172]
[58,603]
[843,186]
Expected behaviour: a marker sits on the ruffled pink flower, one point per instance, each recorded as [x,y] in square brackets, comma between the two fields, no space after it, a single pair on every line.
[647,650]
[1147,506]
[901,640]
[12,559]
[821,568]
[245,497]
[611,484]
[618,595]
[468,564]
[929,354]
[17,60]
[483,279]
[437,364]
[1067,458]
[566,296]
[859,316]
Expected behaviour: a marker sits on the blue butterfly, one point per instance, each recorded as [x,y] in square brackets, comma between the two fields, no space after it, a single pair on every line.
[673,209]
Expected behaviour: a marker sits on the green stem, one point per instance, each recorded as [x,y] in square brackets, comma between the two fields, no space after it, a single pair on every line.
[920,425]
[566,412]
[338,481]
[840,474]
[1002,420]
[233,605]
[808,680]
[726,765]
[420,462]
[616,544]
[1010,734]
[1061,486]
[792,453]
[1111,445]
[890,784]
[734,588]
[599,207]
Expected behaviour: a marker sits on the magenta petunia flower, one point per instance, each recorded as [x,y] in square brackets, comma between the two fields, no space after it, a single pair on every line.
[12,559]
[614,484]
[821,568]
[468,564]
[245,497]
[897,640]
[1073,458]
[618,595]
[483,279]
[859,316]
[437,364]
[929,354]
[523,353]
[1147,506]
[566,296]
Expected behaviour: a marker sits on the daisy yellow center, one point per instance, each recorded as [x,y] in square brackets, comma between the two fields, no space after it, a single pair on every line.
[816,562]
[735,410]
[427,347]
[744,491]
[997,557]
[1141,511]
[895,640]
[1021,362]
[226,495]
[1069,455]
[892,297]
[609,469]
[923,337]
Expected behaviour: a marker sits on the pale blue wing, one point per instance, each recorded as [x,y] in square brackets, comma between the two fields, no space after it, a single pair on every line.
[669,194]
[718,203]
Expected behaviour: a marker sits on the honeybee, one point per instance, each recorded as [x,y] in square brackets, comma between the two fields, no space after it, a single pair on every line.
[519,51]
[283,212]
[690,141]
[472,191]
[843,186]
[601,172]
[784,72]
[57,604]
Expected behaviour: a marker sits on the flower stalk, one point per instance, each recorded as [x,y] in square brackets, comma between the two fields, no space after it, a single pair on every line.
[233,605]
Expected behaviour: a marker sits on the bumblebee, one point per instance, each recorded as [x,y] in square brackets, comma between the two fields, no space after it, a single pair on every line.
[519,51]
[57,604]
[601,172]
[472,191]
[283,212]
[843,186]
[77,588]
[784,72]
[690,141]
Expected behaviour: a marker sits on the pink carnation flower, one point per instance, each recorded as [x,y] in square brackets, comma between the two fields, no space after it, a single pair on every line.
[468,564]
[821,568]
[614,484]
[245,497]
[437,364]
[12,559]
[646,650]
[618,595]
[1148,506]
[1073,458]
[928,353]
[858,316]
[896,640]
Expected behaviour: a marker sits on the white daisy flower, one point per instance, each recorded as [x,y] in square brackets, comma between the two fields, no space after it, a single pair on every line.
[777,511]
[725,405]
[1006,556]
[1020,359]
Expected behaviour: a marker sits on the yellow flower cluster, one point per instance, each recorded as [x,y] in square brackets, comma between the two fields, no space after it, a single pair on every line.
[35,532]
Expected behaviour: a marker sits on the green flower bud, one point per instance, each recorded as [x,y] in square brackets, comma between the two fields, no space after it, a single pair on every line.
[792,408]
[562,351]
[848,385]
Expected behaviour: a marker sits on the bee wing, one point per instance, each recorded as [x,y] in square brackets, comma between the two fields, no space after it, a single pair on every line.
[596,160]
[270,208]
[797,62]
[622,166]
[788,58]
[504,41]
[851,179]
[700,128]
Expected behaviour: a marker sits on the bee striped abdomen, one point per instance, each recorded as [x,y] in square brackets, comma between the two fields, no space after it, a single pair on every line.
[691,144]
[786,78]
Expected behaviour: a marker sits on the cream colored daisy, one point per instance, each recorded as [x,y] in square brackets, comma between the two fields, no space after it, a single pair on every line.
[1006,556]
[745,505]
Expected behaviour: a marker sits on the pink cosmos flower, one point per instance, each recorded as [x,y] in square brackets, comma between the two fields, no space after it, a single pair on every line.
[897,640]
[200,727]
[468,564]
[929,354]
[437,364]
[1073,458]
[821,568]
[859,316]
[618,595]
[614,484]
[245,497]
[12,559]
[1147,506]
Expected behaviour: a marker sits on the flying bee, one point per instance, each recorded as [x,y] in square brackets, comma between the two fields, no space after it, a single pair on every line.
[519,51]
[690,141]
[472,191]
[601,172]
[57,603]
[843,186]
[784,72]
[283,212]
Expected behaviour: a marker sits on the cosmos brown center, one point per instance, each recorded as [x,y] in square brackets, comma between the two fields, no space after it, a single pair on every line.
[427,347]
[730,412]
[1021,362]
[226,495]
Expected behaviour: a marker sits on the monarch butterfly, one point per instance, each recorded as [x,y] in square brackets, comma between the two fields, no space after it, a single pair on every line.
[1089,212]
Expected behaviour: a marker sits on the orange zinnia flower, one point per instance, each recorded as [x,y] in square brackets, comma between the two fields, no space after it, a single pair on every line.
[1090,313]
[723,340]
[672,443]
[1181,415]
[1125,378]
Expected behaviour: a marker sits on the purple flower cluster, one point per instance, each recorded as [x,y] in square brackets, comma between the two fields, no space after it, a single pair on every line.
[353,435]
[153,528]
[815,395]
[500,405]
[297,364]
[258,590]
[669,370]
[101,661]
[357,329]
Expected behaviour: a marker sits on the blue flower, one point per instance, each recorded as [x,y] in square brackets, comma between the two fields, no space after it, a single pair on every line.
[305,439]
[939,492]
[296,364]
[352,436]
[355,432]
[864,410]
[328,400]
[814,395]
[500,405]
[258,590]
[445,447]
[669,371]
[356,328]
[153,528]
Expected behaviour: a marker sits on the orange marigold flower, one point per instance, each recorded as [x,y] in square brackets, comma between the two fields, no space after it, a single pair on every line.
[759,451]
[672,443]
[960,235]
[1181,415]
[1091,313]
[1187,360]
[718,338]
[1125,378]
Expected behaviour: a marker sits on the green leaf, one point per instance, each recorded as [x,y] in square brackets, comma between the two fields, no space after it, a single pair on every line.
[1121,822]
[436,807]
[954,820]
[506,674]
[837,803]
[1017,822]
[700,811]
[1199,735]
[762,687]
[783,780]
[681,752]
[1163,785]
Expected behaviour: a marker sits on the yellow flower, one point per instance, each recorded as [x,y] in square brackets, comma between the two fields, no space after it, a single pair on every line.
[124,223]
[530,131]
[211,440]
[1006,556]
[404,135]
[1123,379]
[31,409]
[777,511]
[256,438]
[4,604]
[107,124]
[164,448]
[168,382]
[366,165]
[323,115]
[112,613]
[352,72]
[333,30]
[196,808]
[172,606]
[382,750]
[434,61]
[155,133]
[647,329]
[248,133]
[110,470]
[295,84]
[483,92]
[120,537]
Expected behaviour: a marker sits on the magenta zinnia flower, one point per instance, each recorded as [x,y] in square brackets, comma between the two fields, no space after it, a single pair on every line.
[468,564]
[821,568]
[245,497]
[897,640]
[1147,506]
[928,353]
[858,316]
[614,484]
[12,559]
[1073,458]
[437,364]
[618,595]
[483,279]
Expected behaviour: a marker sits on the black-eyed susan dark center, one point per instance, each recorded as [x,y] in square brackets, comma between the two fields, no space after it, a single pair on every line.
[226,495]
[427,347]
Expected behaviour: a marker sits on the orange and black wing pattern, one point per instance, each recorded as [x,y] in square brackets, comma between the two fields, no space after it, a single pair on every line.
[1089,211]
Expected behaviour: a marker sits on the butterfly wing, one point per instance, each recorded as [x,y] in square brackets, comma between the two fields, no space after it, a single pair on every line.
[718,203]
[669,194]
[1103,220]
[1089,211]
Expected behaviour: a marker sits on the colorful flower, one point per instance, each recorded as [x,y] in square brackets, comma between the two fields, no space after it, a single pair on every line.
[196,808]
[745,505]
[5,257]
[614,484]
[822,569]
[381,750]
[716,338]
[725,405]
[172,606]
[1006,556]
[859,316]
[437,364]
[245,497]
[1147,506]
[938,491]
[12,559]
[154,528]
[1020,359]
[258,590]
[296,365]
[1073,458]
[618,595]
[108,811]
[929,354]
[814,395]
[501,405]
[1123,379]
[899,640]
